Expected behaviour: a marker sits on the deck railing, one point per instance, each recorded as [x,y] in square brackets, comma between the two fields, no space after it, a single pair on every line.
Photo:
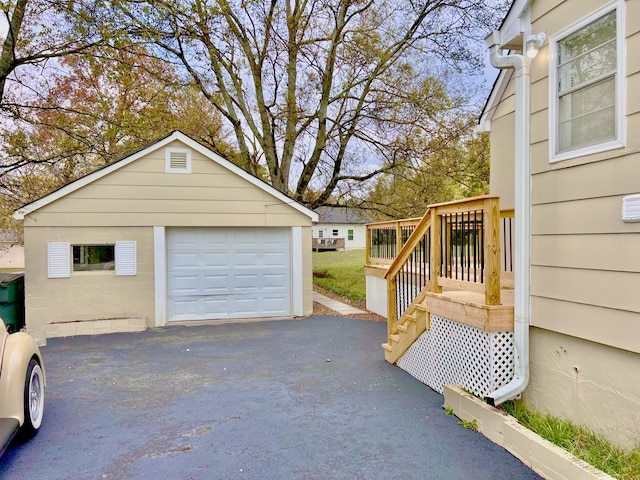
[385,239]
[462,244]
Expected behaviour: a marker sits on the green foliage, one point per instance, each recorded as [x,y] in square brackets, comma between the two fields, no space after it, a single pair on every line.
[449,167]
[448,411]
[469,425]
[341,273]
[98,109]
[580,441]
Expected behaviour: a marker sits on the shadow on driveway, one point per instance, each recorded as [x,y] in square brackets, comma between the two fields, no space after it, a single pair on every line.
[305,399]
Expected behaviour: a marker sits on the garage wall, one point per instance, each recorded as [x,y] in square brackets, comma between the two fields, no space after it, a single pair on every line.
[126,204]
[142,194]
[62,306]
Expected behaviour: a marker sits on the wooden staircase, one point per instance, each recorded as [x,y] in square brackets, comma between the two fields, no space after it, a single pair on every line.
[451,241]
[411,325]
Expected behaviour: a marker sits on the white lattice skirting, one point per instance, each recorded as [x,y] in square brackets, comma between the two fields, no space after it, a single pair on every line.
[454,353]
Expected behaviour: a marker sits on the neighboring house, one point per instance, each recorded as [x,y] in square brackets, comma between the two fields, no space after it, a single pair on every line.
[173,232]
[565,177]
[11,252]
[340,228]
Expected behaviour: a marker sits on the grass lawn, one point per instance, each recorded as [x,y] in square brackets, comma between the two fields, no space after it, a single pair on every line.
[580,441]
[341,273]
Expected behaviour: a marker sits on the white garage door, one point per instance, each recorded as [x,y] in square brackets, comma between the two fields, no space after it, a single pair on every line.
[228,273]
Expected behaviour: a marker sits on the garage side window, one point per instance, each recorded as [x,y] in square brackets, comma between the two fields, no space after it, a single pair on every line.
[93,257]
[64,258]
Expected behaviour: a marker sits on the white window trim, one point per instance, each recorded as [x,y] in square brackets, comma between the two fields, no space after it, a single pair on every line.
[297,268]
[167,160]
[160,275]
[621,127]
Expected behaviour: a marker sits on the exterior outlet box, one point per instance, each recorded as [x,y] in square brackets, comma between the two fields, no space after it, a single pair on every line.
[631,208]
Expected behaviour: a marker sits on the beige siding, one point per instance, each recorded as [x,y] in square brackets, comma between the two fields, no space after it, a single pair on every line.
[502,164]
[585,267]
[582,253]
[141,194]
[75,299]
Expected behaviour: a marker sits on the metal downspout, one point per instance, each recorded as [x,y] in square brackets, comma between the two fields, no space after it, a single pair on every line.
[522,301]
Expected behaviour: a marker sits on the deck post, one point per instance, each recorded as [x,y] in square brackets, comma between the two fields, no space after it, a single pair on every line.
[367,245]
[434,256]
[391,306]
[492,251]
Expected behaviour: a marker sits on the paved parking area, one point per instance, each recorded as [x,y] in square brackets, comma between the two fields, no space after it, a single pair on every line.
[303,399]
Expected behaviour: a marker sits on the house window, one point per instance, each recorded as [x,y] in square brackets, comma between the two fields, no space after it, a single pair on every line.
[177,160]
[335,233]
[93,257]
[587,110]
[350,235]
[320,233]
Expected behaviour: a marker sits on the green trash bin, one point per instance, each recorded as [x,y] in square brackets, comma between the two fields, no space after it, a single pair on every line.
[12,300]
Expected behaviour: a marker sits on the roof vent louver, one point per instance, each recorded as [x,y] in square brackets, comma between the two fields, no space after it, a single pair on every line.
[177,160]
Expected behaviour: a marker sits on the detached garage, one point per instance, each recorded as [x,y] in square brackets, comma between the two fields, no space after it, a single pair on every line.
[172,233]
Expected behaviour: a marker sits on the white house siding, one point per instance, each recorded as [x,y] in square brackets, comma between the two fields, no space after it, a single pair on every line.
[359,241]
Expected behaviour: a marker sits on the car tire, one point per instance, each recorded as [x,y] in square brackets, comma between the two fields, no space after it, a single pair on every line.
[33,399]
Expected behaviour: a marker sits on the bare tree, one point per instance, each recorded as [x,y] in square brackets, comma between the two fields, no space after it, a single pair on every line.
[321,92]
[42,30]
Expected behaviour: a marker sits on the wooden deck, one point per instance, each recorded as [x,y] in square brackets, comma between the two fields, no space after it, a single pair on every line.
[468,307]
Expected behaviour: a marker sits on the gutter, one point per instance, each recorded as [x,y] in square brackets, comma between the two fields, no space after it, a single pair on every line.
[522,300]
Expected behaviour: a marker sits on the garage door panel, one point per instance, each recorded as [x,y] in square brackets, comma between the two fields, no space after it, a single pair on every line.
[183,260]
[183,306]
[275,282]
[228,273]
[245,283]
[275,259]
[246,260]
[214,260]
[186,285]
[215,305]
[216,284]
[273,305]
[245,306]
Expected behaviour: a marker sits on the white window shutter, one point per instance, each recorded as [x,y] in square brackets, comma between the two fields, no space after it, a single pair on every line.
[58,260]
[126,258]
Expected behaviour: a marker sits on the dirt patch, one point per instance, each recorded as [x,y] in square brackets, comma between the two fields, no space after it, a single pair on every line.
[319,309]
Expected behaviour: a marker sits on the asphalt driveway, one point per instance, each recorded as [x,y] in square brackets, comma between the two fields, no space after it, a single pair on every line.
[304,399]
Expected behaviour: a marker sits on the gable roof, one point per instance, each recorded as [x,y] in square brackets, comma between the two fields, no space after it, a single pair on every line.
[176,135]
[342,215]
